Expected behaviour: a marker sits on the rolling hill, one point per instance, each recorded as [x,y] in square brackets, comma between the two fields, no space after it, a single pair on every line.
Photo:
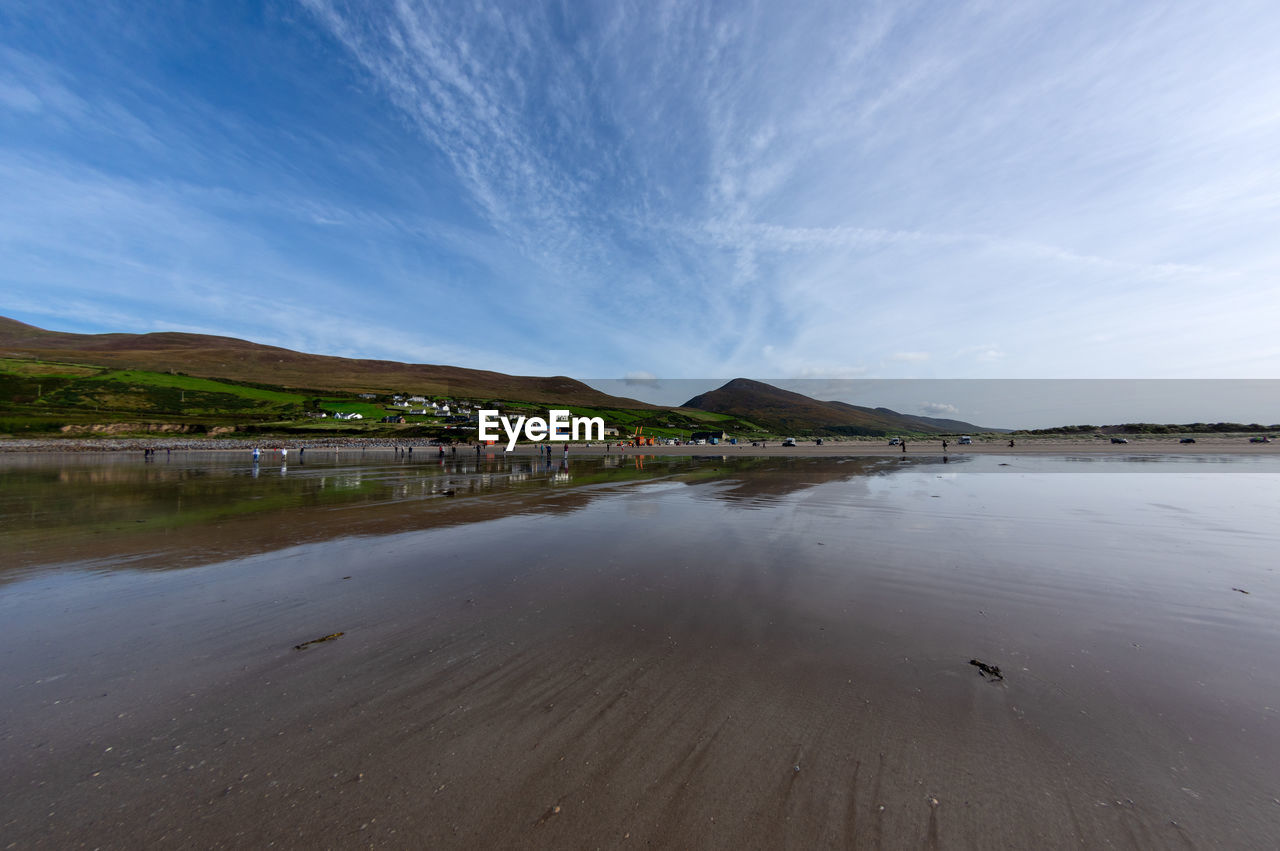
[233,359]
[786,411]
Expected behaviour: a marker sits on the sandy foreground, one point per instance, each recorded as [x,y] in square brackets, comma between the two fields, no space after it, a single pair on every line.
[583,680]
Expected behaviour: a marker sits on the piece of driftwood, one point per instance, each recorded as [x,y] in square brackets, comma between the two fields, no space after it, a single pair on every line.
[329,637]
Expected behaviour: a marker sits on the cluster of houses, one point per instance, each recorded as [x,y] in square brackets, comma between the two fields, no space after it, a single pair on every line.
[407,405]
[428,408]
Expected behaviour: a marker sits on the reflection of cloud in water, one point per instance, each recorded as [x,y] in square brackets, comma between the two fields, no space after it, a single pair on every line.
[643,507]
[1167,463]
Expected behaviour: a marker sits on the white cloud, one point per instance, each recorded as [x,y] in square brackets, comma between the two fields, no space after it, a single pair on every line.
[641,379]
[827,371]
[982,353]
[939,409]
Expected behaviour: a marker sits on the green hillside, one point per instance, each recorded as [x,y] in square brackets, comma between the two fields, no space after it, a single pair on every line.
[40,395]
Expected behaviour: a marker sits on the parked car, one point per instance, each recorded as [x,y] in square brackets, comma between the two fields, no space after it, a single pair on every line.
[966,440]
[1119,440]
[1259,440]
[790,441]
[1187,440]
[895,441]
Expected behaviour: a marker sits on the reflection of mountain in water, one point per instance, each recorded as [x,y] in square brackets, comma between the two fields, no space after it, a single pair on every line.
[199,510]
[161,515]
[770,480]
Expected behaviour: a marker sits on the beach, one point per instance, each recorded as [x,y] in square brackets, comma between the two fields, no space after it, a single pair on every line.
[724,654]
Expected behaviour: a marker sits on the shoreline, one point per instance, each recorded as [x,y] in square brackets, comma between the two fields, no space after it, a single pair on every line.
[1163,444]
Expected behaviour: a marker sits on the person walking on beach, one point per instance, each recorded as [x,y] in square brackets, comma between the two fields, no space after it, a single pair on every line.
[944,444]
[904,447]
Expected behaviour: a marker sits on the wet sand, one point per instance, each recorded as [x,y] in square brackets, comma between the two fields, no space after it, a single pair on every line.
[779,658]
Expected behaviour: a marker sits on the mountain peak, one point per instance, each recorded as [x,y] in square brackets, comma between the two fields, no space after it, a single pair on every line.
[784,410]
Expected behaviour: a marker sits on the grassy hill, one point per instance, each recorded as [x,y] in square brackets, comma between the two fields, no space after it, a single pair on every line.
[231,359]
[50,395]
[64,397]
[52,382]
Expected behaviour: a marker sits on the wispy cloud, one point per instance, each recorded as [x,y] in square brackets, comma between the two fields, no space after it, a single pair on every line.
[816,189]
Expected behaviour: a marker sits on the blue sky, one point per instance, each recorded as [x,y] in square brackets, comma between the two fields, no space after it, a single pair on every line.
[601,189]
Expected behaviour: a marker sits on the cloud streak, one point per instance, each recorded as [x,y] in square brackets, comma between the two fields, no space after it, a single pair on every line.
[817,190]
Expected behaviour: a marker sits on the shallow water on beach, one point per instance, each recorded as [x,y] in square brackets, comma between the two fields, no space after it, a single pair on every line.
[627,615]
[121,509]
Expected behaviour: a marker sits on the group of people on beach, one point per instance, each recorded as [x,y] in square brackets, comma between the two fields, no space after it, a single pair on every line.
[284,453]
